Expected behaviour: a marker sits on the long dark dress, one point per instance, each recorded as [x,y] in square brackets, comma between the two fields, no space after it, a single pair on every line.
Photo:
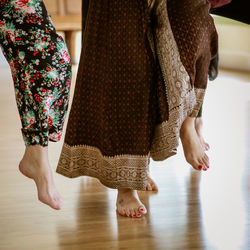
[143,70]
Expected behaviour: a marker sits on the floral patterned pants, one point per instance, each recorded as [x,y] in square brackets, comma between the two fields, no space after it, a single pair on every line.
[40,67]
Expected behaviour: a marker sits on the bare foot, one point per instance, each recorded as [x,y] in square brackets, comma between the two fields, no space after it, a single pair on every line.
[192,146]
[151,185]
[198,128]
[129,204]
[35,165]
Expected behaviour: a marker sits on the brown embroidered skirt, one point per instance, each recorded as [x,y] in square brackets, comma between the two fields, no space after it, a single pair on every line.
[143,70]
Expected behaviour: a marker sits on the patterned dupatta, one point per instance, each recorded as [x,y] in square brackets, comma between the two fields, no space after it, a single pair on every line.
[182,49]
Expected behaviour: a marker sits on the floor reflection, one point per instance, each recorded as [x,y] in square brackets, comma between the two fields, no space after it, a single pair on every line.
[178,224]
[192,210]
[206,211]
[137,232]
[93,219]
[194,227]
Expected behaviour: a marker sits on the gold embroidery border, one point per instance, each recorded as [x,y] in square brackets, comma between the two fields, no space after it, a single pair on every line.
[120,171]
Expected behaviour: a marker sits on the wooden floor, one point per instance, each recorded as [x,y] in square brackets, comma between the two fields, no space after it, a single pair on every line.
[192,210]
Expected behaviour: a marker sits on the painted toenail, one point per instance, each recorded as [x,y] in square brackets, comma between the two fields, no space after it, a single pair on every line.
[134,215]
[141,209]
[138,214]
[200,167]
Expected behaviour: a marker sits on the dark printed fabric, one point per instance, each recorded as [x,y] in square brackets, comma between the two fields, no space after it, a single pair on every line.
[135,86]
[40,66]
[196,42]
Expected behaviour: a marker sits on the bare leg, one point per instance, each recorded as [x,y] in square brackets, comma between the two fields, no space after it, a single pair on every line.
[129,204]
[198,128]
[192,146]
[35,165]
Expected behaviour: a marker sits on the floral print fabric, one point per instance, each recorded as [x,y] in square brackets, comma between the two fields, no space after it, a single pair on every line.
[40,66]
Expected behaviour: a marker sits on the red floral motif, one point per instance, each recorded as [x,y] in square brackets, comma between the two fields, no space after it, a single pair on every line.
[50,122]
[1,23]
[22,85]
[36,52]
[68,83]
[66,56]
[33,19]
[37,97]
[21,3]
[60,102]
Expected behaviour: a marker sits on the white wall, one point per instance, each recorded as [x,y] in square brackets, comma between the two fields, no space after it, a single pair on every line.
[234,44]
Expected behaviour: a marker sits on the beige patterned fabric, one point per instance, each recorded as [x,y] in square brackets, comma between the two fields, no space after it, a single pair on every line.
[120,171]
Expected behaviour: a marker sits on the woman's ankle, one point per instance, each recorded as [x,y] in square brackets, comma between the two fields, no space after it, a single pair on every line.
[36,152]
[126,191]
[189,123]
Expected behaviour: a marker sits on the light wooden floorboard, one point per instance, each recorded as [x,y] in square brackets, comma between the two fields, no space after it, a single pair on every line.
[208,210]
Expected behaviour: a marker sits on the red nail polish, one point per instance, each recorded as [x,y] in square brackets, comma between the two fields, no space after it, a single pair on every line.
[134,215]
[141,209]
[138,214]
[200,167]
[207,166]
[205,169]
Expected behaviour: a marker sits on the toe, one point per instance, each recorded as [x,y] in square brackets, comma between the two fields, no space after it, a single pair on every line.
[207,146]
[200,167]
[197,165]
[121,212]
[58,200]
[138,215]
[55,202]
[149,187]
[133,213]
[142,210]
[205,161]
[58,204]
[205,167]
[128,213]
[154,188]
